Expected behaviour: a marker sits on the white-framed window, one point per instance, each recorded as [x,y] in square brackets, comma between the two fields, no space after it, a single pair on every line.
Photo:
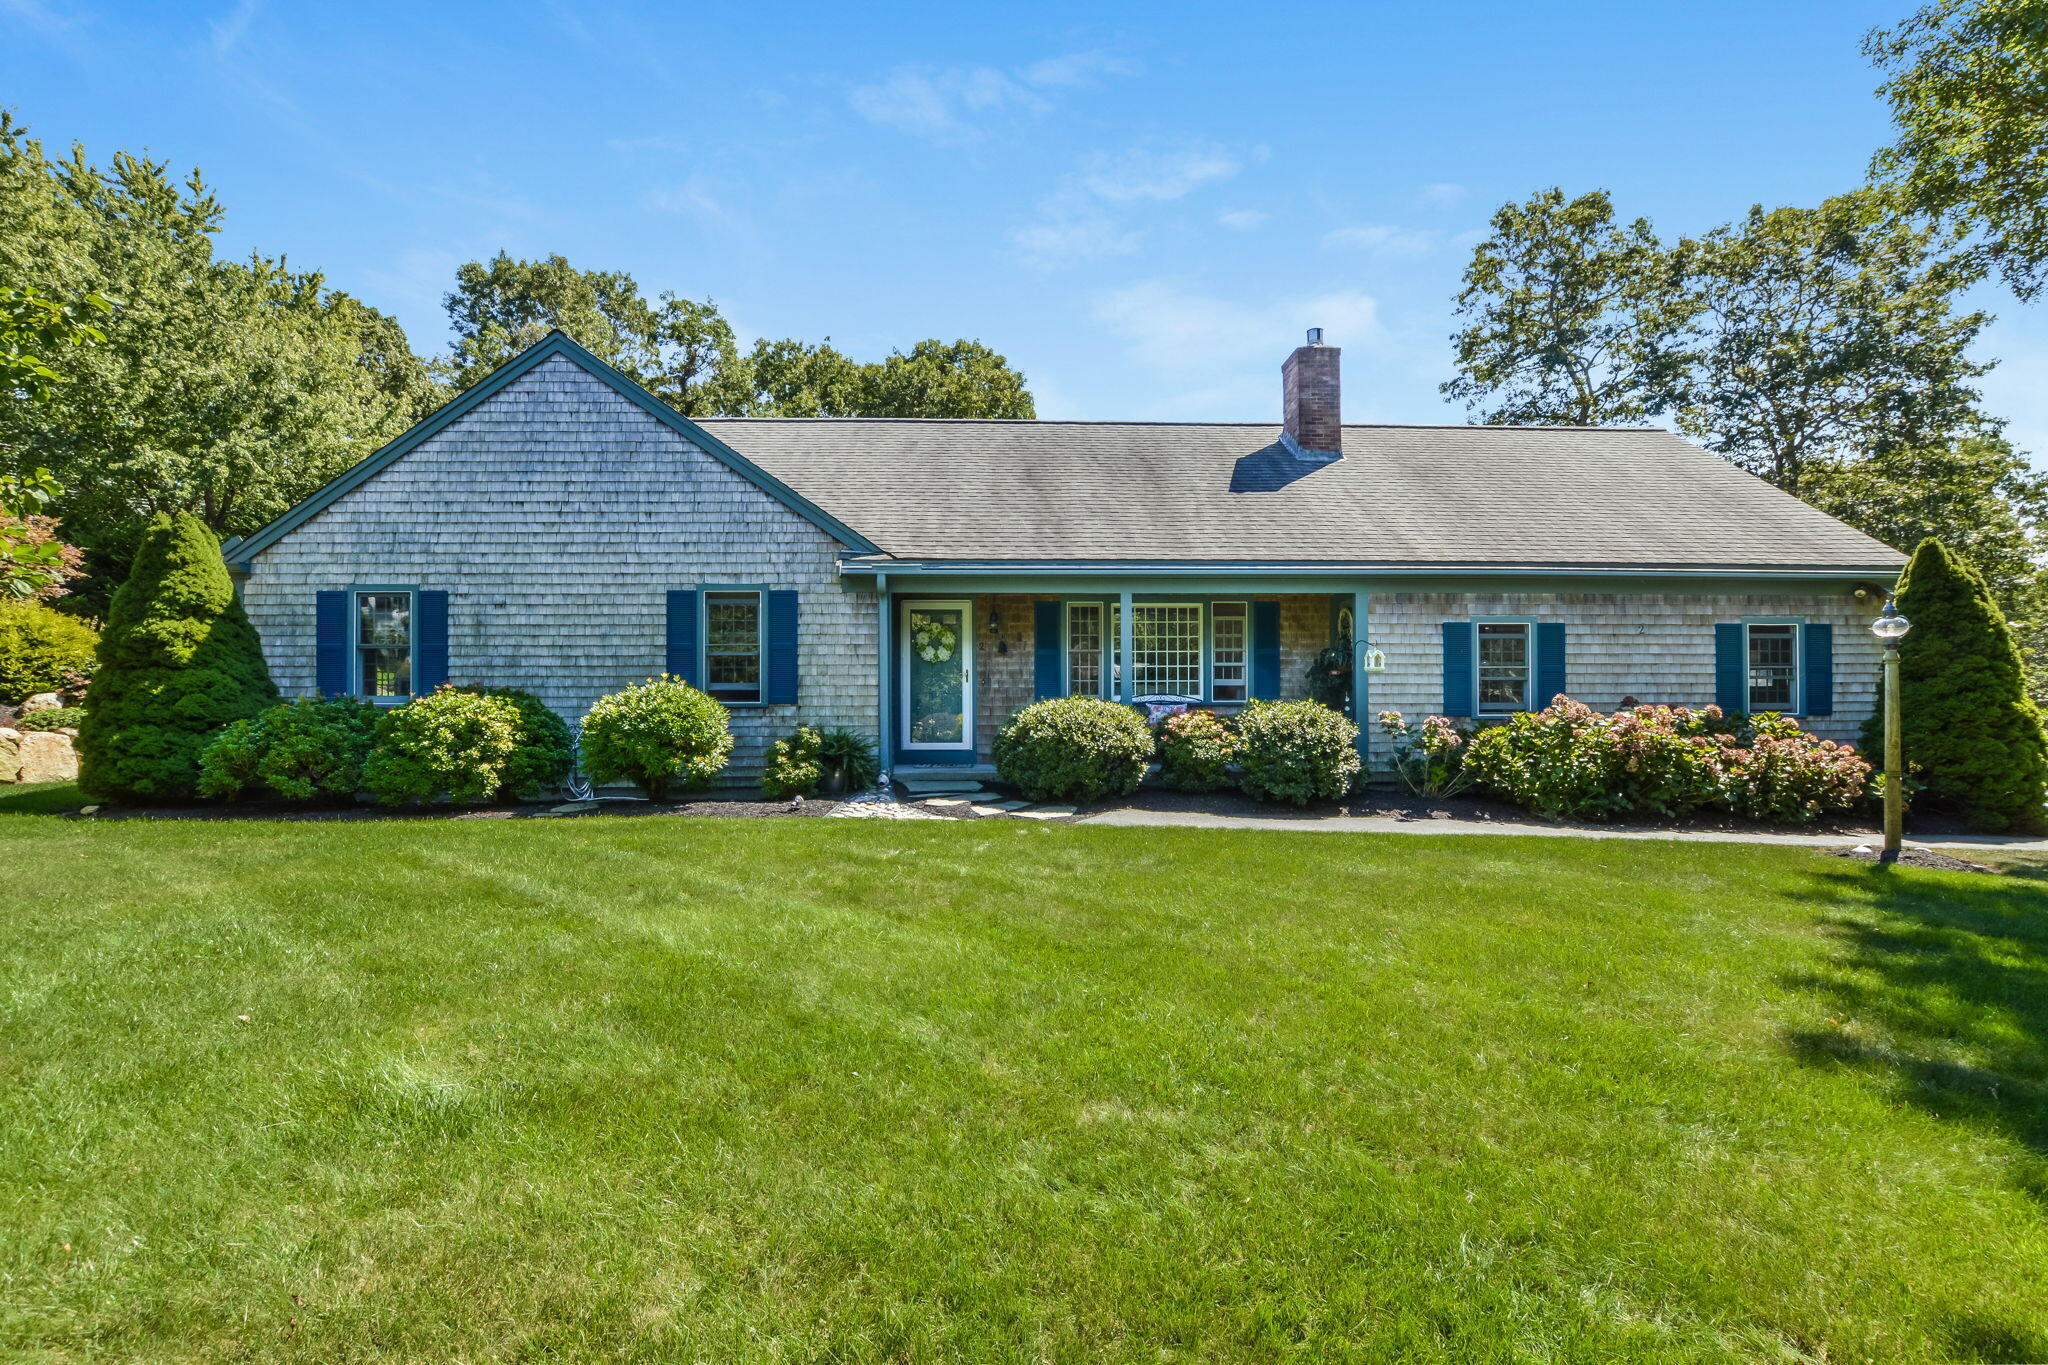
[1229,651]
[1772,652]
[1166,649]
[1085,654]
[1504,667]
[732,644]
[383,628]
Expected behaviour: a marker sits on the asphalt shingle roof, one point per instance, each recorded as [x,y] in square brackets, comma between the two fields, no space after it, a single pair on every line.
[1402,495]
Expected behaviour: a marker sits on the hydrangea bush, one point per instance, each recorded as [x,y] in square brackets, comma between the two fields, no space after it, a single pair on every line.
[1297,752]
[1429,758]
[542,752]
[1074,749]
[1196,750]
[659,735]
[1570,762]
[448,743]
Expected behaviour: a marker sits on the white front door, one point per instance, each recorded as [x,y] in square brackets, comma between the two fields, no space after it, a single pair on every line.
[938,675]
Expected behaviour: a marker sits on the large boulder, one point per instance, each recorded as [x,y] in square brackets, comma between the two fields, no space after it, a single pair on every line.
[42,701]
[10,754]
[46,756]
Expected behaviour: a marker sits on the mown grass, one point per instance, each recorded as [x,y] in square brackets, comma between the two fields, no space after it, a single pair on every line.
[847,1090]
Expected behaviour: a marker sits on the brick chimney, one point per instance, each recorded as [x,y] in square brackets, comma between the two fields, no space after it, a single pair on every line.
[1312,414]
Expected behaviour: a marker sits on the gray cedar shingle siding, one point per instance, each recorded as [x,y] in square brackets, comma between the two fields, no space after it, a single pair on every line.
[558,515]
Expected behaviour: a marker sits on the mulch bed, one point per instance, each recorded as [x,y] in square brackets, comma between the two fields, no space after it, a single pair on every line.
[1920,857]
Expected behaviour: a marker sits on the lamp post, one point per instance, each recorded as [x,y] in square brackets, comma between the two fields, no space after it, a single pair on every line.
[1890,628]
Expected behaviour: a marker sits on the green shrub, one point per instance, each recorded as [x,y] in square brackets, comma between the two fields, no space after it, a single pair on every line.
[793,767]
[658,735]
[1074,749]
[55,718]
[449,742]
[1970,733]
[41,650]
[227,765]
[1297,752]
[847,761]
[1196,750]
[543,752]
[302,751]
[1570,762]
[178,662]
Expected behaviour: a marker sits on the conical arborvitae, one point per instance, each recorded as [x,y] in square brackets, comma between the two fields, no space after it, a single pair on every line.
[1970,732]
[178,660]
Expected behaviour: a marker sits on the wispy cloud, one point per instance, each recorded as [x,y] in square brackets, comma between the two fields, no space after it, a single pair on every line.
[1442,195]
[58,25]
[229,30]
[1221,355]
[1243,220]
[703,201]
[955,103]
[1384,239]
[1087,215]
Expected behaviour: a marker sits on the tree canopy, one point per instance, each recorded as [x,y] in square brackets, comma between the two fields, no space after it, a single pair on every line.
[684,351]
[1967,81]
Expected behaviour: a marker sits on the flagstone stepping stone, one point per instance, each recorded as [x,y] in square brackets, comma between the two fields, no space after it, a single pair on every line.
[944,801]
[1045,813]
[1012,804]
[988,810]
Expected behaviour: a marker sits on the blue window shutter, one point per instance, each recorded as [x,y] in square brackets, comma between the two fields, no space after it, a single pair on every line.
[1817,641]
[1731,670]
[430,629]
[1047,649]
[1550,677]
[781,647]
[681,657]
[330,643]
[1266,650]
[1461,683]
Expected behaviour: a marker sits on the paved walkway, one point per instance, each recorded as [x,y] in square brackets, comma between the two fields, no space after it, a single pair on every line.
[1383,824]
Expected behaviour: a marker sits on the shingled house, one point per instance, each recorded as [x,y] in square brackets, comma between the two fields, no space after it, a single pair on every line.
[558,528]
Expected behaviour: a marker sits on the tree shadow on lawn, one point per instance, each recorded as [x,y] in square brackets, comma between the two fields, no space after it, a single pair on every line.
[1942,986]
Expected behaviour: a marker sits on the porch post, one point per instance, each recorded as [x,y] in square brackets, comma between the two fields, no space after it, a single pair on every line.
[1361,681]
[884,748]
[1123,682]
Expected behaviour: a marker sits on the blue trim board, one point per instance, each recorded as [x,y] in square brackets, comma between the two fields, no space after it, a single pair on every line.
[554,344]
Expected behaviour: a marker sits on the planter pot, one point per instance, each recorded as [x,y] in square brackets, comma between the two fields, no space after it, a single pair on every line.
[833,780]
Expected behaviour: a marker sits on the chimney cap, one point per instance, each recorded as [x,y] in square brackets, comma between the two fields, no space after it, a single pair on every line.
[1315,336]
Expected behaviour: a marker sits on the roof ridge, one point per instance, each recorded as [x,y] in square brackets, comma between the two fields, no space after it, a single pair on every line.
[1162,422]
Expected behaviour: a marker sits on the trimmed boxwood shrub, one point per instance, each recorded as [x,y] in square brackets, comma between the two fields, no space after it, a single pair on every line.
[1074,749]
[178,662]
[659,735]
[448,743]
[1971,734]
[542,752]
[41,650]
[52,718]
[1297,752]
[1196,749]
[302,751]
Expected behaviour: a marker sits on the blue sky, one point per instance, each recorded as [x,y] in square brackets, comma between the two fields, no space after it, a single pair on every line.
[1141,208]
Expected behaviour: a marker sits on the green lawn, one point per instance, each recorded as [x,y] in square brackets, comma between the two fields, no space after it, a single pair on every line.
[848,1090]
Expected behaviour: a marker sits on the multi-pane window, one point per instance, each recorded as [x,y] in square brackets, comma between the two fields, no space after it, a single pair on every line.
[1166,649]
[732,645]
[384,644]
[1229,641]
[1084,649]
[1773,667]
[1503,667]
